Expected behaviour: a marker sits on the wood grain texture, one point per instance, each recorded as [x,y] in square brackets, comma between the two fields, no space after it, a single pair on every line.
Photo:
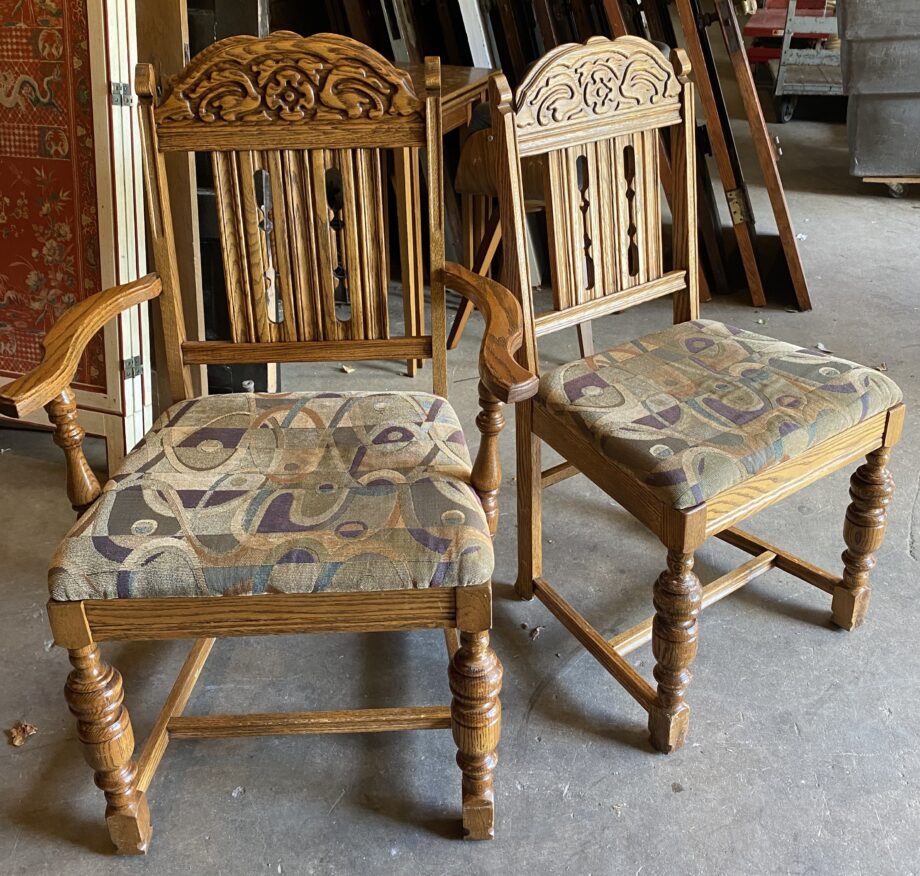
[82,486]
[783,560]
[871,492]
[300,131]
[594,91]
[591,279]
[68,624]
[515,275]
[161,231]
[217,352]
[480,258]
[475,677]
[408,198]
[668,284]
[94,694]
[556,473]
[505,378]
[528,451]
[276,613]
[594,643]
[244,91]
[474,608]
[434,157]
[293,723]
[635,497]
[684,211]
[675,631]
[635,637]
[65,342]
[486,476]
[461,87]
[158,738]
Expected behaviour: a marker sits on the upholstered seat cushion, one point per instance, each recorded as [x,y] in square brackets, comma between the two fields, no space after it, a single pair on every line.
[294,492]
[702,406]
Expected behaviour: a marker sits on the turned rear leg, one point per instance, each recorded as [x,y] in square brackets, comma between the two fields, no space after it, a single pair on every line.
[529,502]
[871,490]
[94,694]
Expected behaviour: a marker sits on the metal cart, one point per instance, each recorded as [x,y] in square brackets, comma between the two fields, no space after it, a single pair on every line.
[814,70]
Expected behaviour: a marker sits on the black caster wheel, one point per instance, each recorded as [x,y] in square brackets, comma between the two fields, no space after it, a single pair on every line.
[785,108]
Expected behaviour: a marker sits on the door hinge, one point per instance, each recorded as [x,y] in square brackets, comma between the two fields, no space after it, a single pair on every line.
[120,94]
[132,367]
[738,206]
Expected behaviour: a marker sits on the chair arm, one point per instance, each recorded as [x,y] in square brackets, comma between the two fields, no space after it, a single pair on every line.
[501,373]
[65,342]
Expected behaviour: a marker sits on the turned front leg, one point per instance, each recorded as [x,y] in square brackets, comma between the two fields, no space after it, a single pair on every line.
[82,486]
[675,630]
[871,490]
[94,694]
[476,716]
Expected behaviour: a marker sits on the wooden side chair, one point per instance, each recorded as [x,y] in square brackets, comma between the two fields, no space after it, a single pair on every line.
[691,429]
[302,512]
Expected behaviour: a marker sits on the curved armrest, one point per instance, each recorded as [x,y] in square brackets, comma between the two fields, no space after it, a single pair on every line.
[65,343]
[505,378]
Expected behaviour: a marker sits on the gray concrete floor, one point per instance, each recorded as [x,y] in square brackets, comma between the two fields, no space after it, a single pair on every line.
[802,756]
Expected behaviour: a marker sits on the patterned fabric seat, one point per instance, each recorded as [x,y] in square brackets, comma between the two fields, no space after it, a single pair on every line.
[295,492]
[702,406]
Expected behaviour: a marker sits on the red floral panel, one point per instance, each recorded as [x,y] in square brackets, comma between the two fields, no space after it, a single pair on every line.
[49,232]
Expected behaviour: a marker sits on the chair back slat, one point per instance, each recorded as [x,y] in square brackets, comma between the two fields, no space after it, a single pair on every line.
[594,112]
[254,249]
[301,133]
[232,232]
[603,217]
[280,239]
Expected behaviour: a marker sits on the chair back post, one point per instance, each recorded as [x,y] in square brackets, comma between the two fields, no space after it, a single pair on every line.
[684,237]
[299,130]
[161,233]
[434,155]
[592,112]
[515,266]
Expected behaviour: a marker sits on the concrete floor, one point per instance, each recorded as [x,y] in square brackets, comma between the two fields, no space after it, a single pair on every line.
[802,756]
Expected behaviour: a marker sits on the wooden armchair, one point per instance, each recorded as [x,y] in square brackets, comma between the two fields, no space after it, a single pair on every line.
[303,512]
[691,429]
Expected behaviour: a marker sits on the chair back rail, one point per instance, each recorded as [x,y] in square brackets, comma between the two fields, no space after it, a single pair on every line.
[593,112]
[300,132]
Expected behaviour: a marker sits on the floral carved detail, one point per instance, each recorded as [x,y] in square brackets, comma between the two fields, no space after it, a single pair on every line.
[594,81]
[288,78]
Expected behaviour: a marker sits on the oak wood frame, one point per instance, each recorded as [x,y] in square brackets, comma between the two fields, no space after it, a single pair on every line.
[678,594]
[94,688]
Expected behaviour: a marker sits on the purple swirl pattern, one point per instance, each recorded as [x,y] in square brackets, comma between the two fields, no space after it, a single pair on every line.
[292,492]
[703,406]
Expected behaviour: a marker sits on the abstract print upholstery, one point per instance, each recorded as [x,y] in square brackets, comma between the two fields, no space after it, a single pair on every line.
[294,492]
[702,406]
